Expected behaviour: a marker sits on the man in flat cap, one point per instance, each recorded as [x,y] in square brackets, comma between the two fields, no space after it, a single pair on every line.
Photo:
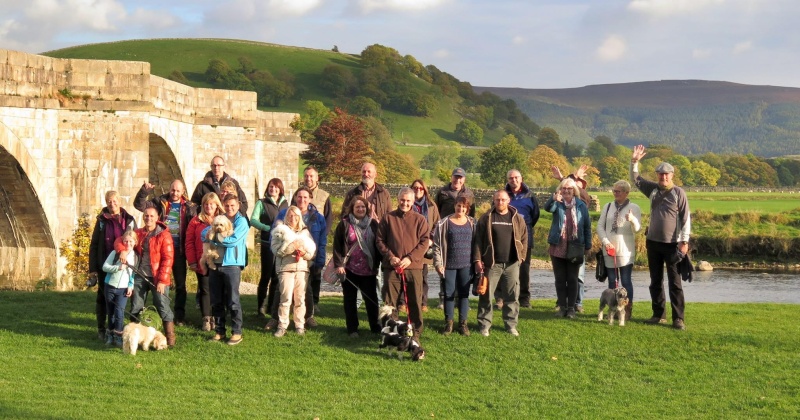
[670,226]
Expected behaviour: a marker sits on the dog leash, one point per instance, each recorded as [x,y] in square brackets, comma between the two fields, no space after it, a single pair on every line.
[613,254]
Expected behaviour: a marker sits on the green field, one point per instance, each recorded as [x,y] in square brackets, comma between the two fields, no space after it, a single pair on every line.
[734,361]
[724,202]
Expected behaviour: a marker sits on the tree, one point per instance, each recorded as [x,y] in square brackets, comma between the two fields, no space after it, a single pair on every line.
[339,147]
[469,161]
[467,131]
[246,65]
[217,71]
[395,167]
[338,80]
[572,151]
[379,139]
[612,170]
[550,138]
[363,106]
[596,151]
[684,174]
[497,160]
[705,174]
[607,143]
[539,162]
[441,158]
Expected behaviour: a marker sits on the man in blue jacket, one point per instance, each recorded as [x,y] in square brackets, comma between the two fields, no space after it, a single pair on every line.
[224,281]
[527,206]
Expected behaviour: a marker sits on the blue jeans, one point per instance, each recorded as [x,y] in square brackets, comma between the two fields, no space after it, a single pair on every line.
[115,307]
[140,289]
[224,285]
[625,279]
[456,283]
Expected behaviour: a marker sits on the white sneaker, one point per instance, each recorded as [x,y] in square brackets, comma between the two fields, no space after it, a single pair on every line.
[485,332]
[514,332]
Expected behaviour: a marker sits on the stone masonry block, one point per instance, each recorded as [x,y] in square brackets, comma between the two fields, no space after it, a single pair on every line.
[17,58]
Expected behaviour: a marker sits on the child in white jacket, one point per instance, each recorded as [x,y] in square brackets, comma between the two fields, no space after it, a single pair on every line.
[293,247]
[119,286]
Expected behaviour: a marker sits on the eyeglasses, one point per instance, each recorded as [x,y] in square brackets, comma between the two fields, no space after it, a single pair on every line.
[417,188]
[217,166]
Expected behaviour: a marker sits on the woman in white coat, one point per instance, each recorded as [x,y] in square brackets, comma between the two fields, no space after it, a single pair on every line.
[617,227]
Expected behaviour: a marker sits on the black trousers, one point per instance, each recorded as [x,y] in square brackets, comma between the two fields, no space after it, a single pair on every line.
[179,275]
[566,274]
[268,283]
[368,286]
[658,256]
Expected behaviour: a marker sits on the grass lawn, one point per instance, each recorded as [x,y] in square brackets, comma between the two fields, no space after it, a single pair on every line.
[733,361]
[723,202]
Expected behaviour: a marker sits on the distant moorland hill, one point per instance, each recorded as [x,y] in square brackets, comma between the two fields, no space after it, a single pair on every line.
[691,116]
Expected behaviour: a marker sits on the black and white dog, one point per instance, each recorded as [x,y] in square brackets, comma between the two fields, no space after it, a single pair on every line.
[398,336]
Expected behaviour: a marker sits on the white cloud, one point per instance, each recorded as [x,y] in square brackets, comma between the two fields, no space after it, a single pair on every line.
[293,7]
[612,48]
[699,53]
[368,6]
[742,47]
[96,15]
[518,40]
[153,19]
[662,8]
[442,53]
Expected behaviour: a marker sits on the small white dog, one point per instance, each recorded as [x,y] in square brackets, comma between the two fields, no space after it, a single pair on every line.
[135,335]
[221,228]
[616,300]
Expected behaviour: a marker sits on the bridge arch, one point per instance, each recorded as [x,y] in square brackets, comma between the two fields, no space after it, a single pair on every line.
[164,167]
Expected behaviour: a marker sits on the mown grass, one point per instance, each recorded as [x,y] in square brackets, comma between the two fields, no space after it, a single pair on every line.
[733,361]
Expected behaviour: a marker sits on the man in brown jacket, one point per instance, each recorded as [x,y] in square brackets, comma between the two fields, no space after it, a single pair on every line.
[500,245]
[402,241]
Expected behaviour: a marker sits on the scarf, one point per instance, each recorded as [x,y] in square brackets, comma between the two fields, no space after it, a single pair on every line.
[363,235]
[570,207]
[421,206]
[618,207]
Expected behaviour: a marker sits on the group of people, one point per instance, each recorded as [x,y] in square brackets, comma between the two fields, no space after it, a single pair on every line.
[382,254]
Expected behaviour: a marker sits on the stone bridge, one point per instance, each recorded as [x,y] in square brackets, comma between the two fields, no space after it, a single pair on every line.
[72,129]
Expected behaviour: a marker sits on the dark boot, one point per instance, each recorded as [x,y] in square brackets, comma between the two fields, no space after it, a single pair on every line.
[463,329]
[628,311]
[448,328]
[169,331]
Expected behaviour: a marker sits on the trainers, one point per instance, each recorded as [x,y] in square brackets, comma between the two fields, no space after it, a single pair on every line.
[235,339]
[425,308]
[579,308]
[271,324]
[524,303]
[561,313]
[311,323]
[514,332]
[570,313]
[217,338]
[678,324]
[180,322]
[280,332]
[557,308]
[301,331]
[485,332]
[440,306]
[656,320]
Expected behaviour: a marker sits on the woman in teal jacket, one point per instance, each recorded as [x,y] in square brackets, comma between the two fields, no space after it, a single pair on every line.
[571,226]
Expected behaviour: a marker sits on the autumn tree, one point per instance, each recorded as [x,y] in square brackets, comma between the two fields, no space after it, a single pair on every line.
[339,147]
[395,167]
[705,174]
[503,156]
[539,162]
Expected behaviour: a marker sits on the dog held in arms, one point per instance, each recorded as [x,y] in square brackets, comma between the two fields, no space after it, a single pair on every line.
[135,335]
[616,300]
[221,228]
[398,336]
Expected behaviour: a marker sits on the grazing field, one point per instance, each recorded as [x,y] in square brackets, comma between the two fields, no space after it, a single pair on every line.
[724,202]
[734,361]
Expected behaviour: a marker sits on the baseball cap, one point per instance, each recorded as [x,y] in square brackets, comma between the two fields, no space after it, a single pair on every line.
[459,172]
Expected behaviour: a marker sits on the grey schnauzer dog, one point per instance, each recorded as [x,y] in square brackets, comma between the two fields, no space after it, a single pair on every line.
[616,300]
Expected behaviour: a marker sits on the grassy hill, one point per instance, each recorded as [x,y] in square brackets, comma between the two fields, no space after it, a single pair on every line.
[693,116]
[191,57]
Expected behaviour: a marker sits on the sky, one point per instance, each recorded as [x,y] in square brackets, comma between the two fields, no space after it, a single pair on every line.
[496,43]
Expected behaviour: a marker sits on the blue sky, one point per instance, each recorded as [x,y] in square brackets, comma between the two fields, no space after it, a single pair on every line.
[504,43]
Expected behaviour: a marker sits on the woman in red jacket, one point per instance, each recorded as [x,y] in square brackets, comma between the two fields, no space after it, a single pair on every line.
[211,207]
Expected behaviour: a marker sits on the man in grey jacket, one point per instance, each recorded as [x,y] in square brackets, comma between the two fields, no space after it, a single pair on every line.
[668,234]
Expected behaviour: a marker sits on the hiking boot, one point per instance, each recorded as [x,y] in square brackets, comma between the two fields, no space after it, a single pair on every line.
[169,332]
[271,324]
[656,320]
[524,303]
[514,332]
[217,338]
[678,324]
[206,323]
[280,332]
[301,331]
[118,340]
[235,339]
[311,323]
[463,329]
[561,313]
[448,328]
[570,313]
[628,311]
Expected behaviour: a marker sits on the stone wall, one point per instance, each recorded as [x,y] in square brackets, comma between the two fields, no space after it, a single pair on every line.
[72,129]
